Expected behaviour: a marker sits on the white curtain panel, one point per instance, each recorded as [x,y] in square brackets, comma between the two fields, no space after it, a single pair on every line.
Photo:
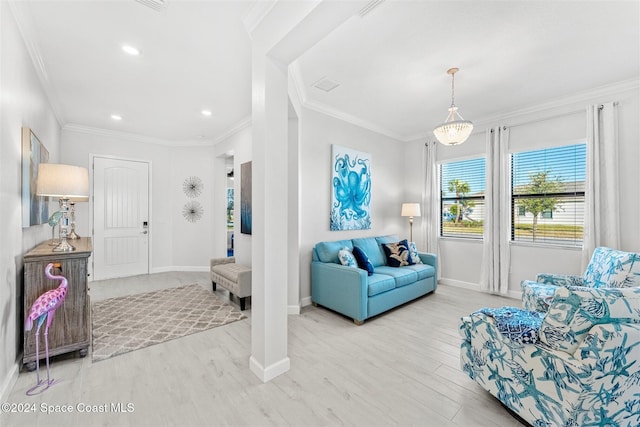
[494,276]
[601,212]
[431,201]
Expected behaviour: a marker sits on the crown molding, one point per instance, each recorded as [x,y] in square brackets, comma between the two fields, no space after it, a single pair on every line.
[242,124]
[300,89]
[107,133]
[133,137]
[345,117]
[564,102]
[125,136]
[256,14]
[25,26]
[549,109]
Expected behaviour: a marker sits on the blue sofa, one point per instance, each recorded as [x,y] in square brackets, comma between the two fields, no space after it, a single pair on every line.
[353,293]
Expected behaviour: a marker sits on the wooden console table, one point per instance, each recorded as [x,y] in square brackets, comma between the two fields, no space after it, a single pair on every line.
[71,327]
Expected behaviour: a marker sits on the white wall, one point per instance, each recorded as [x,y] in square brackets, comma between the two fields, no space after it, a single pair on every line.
[238,145]
[317,133]
[561,120]
[192,242]
[175,243]
[23,103]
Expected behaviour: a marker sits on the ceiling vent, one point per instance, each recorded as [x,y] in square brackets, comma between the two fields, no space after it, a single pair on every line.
[326,84]
[369,7]
[156,5]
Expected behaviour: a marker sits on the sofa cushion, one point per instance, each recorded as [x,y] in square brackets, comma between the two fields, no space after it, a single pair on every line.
[610,268]
[422,270]
[575,310]
[413,253]
[363,260]
[379,283]
[373,250]
[346,258]
[328,251]
[397,253]
[403,276]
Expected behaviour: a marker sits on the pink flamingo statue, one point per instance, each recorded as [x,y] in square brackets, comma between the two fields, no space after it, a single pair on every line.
[44,308]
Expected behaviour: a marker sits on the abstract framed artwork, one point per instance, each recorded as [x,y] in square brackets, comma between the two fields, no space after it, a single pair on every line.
[351,189]
[35,209]
[245,198]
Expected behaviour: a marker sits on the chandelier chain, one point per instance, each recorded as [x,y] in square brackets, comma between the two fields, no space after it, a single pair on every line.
[453,77]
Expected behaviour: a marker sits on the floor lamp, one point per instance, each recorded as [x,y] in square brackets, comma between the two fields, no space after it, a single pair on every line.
[65,182]
[411,210]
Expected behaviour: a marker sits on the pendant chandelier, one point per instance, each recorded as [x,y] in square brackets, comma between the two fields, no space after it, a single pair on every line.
[455,129]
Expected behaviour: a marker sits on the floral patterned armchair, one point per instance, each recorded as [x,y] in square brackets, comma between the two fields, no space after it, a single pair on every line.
[578,364]
[608,268]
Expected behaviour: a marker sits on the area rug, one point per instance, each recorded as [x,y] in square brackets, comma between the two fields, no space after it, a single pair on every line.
[124,324]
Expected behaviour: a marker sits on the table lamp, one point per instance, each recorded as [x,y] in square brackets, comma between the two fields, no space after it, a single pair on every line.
[66,182]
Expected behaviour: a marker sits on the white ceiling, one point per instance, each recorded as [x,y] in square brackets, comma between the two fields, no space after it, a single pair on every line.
[391,63]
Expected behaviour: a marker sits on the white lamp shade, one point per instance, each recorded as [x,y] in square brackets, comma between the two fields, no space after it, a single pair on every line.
[62,181]
[410,209]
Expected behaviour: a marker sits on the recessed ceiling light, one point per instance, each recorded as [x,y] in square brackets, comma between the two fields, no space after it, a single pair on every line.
[206,112]
[130,50]
[116,117]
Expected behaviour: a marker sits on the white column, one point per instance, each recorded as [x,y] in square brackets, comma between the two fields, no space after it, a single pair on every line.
[285,30]
[269,258]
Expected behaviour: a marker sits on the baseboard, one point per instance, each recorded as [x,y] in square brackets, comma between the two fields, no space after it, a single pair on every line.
[305,301]
[459,284]
[9,382]
[476,287]
[267,374]
[180,268]
[293,309]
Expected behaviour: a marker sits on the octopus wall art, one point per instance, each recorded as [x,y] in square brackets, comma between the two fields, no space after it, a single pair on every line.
[351,189]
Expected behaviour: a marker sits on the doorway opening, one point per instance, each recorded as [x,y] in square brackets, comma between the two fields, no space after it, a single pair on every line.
[230,206]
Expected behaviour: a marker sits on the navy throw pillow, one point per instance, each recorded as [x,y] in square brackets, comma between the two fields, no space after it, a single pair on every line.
[363,260]
[398,254]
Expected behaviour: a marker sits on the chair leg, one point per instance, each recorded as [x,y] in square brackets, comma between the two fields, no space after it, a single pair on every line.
[242,301]
[213,285]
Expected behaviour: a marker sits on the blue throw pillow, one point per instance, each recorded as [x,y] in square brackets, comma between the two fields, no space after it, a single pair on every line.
[363,260]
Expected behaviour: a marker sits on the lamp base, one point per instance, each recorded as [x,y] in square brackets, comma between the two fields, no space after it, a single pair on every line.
[64,246]
[73,235]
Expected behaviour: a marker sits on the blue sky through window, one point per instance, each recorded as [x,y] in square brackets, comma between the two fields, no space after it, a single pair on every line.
[567,163]
[471,171]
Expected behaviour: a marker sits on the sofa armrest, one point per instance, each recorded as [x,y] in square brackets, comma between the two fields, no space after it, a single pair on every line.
[560,279]
[430,259]
[340,288]
[610,354]
[218,261]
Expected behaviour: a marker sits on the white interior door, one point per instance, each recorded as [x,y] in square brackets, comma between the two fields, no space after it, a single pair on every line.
[120,218]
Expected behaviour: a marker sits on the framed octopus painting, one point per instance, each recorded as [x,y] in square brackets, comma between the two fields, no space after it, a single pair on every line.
[350,189]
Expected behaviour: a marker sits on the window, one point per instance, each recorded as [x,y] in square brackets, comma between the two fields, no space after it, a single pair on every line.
[547,202]
[462,198]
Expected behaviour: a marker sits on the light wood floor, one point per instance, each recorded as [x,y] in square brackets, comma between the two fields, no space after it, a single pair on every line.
[398,369]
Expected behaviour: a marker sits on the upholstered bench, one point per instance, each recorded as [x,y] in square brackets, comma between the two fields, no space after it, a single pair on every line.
[236,278]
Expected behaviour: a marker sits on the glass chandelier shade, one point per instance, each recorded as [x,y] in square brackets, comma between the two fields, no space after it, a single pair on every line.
[455,129]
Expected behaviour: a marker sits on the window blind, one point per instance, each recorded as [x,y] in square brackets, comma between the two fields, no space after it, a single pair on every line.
[547,202]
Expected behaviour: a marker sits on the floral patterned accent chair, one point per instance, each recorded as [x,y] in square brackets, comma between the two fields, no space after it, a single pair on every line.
[608,268]
[576,365]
